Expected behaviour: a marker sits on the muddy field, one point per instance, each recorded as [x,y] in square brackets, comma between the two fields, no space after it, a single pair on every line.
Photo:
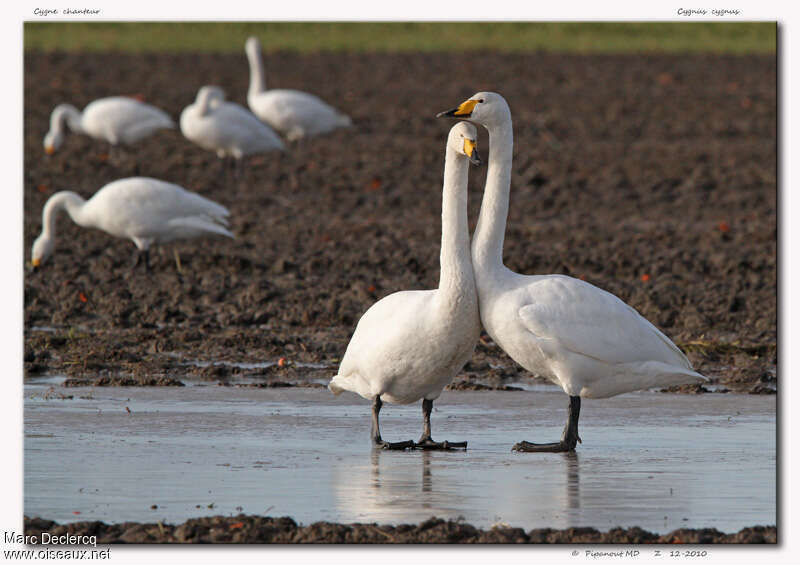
[255,529]
[653,177]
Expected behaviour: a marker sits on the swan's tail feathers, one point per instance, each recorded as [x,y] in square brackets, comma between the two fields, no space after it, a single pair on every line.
[345,121]
[144,128]
[193,226]
[642,376]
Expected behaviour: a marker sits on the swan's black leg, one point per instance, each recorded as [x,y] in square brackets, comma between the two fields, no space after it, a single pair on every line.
[139,256]
[569,438]
[376,430]
[426,442]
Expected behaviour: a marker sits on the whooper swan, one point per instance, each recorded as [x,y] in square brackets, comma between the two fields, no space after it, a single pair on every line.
[144,210]
[410,344]
[294,113]
[582,338]
[117,120]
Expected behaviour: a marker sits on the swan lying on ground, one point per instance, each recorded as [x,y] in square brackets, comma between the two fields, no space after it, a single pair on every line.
[582,338]
[294,113]
[226,127]
[117,120]
[146,211]
[409,345]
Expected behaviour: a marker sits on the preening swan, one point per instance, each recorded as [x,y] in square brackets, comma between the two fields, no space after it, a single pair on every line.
[144,210]
[410,344]
[117,120]
[294,113]
[226,127]
[582,338]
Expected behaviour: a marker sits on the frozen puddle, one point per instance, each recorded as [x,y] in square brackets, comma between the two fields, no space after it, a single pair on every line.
[659,461]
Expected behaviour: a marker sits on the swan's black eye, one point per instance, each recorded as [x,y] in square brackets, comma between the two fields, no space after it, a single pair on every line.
[480,101]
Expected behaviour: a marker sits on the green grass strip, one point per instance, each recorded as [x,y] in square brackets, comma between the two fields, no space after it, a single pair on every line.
[309,37]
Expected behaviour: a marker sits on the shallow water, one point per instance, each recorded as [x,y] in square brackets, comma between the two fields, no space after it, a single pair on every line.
[659,461]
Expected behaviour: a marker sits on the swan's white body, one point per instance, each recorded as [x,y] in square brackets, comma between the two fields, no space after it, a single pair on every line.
[582,338]
[409,345]
[117,120]
[225,127]
[146,211]
[294,113]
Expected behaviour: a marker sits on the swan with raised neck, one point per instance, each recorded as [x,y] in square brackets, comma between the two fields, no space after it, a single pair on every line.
[582,338]
[293,113]
[409,345]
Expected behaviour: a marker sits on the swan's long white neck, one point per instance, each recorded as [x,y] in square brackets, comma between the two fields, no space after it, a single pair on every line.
[487,243]
[454,258]
[257,80]
[64,200]
[65,114]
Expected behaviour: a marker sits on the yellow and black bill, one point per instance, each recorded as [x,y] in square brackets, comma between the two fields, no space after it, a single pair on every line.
[463,110]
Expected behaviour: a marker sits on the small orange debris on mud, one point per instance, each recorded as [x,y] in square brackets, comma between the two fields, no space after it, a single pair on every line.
[43,188]
[645,277]
[371,288]
[375,184]
[724,227]
[82,297]
[282,362]
[102,157]
[665,78]
[236,525]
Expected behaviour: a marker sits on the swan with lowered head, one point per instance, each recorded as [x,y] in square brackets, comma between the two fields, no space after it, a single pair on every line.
[294,113]
[144,210]
[582,338]
[226,127]
[409,345]
[117,120]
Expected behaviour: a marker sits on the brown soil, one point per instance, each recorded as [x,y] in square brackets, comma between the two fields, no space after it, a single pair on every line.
[653,177]
[255,529]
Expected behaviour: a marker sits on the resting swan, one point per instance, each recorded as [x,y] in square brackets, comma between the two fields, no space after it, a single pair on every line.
[582,338]
[294,113]
[410,344]
[226,127]
[141,209]
[117,120]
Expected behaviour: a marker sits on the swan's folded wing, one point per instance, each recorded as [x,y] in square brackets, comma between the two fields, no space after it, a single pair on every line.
[576,316]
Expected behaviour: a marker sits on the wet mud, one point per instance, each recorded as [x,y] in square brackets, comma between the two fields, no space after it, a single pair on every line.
[256,529]
[653,177]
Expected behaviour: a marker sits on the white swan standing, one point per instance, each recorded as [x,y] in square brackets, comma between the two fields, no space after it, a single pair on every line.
[409,345]
[582,338]
[144,210]
[294,113]
[226,127]
[117,120]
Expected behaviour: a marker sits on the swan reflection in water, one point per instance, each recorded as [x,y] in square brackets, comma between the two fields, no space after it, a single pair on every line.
[396,487]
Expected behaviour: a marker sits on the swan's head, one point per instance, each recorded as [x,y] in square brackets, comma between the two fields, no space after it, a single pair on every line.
[485,108]
[52,141]
[42,249]
[214,94]
[463,139]
[252,45]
